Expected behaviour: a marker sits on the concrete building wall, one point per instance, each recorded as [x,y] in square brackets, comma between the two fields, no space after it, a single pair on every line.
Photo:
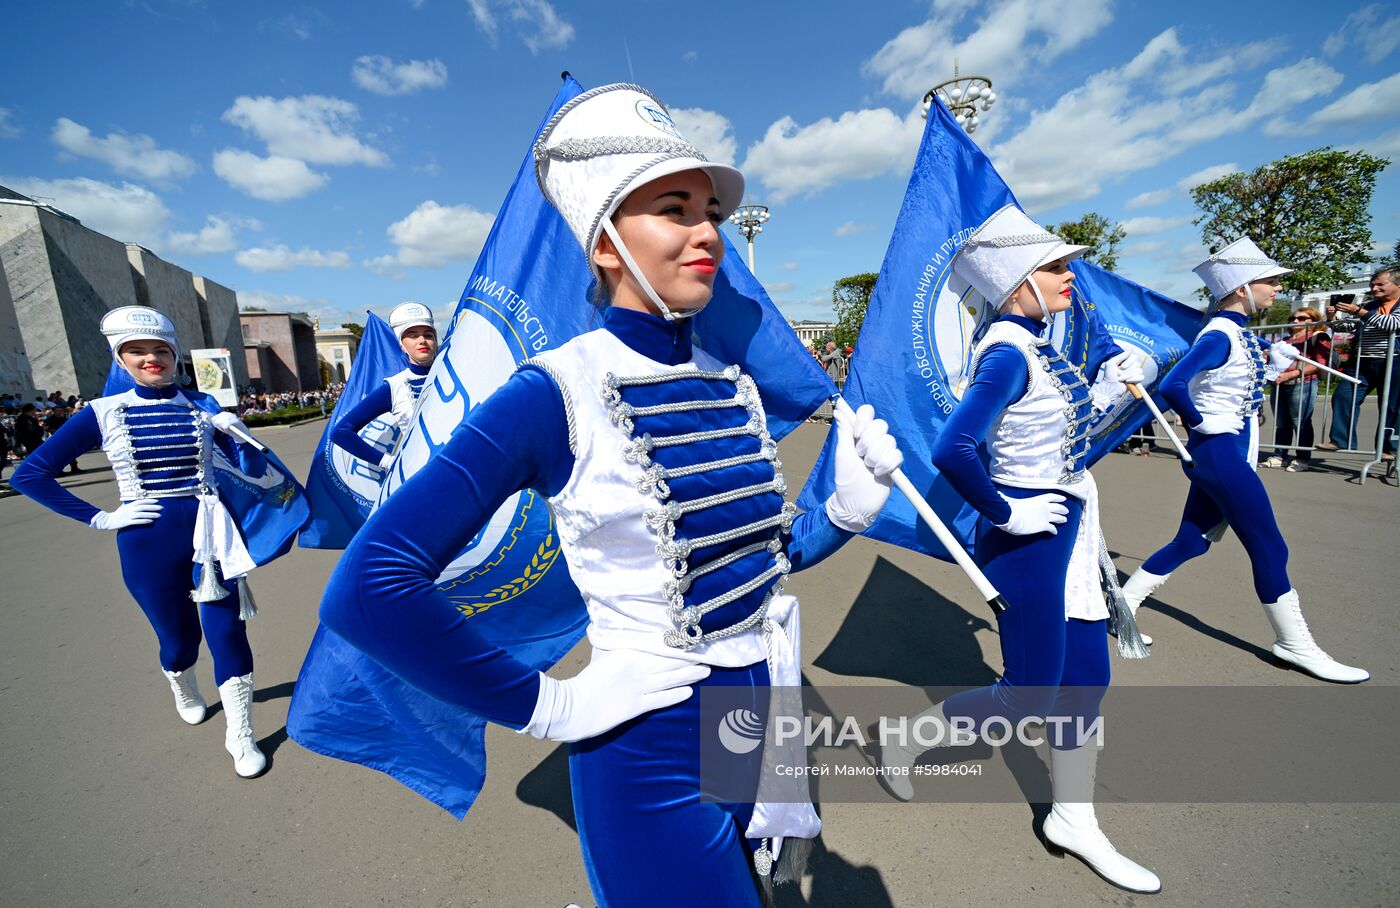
[168,289]
[291,364]
[219,315]
[62,278]
[15,375]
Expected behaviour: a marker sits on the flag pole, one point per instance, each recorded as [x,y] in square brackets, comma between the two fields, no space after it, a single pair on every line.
[1136,391]
[950,542]
[245,437]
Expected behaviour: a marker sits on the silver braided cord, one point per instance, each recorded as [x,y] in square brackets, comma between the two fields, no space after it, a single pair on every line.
[597,146]
[679,550]
[663,520]
[558,379]
[1015,239]
[638,449]
[654,478]
[681,585]
[1243,260]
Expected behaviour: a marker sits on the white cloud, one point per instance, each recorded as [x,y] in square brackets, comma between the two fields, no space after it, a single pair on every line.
[780,287]
[789,266]
[133,156]
[1010,38]
[1207,175]
[1376,36]
[383,76]
[282,258]
[1148,199]
[1374,102]
[1386,145]
[708,131]
[1143,248]
[8,129]
[858,145]
[433,235]
[1137,121]
[272,302]
[273,179]
[1149,225]
[535,22]
[690,56]
[216,236]
[851,227]
[130,213]
[312,128]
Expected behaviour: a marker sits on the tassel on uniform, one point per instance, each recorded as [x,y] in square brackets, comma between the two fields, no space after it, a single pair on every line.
[763,867]
[247,607]
[789,867]
[209,589]
[1121,621]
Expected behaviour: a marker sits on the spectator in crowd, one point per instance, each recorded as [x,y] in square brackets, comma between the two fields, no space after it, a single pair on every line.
[7,437]
[1295,391]
[834,362]
[1375,323]
[28,432]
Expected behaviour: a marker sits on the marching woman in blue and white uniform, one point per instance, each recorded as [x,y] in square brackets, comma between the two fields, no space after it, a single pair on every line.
[171,522]
[1217,388]
[412,324]
[1040,542]
[669,502]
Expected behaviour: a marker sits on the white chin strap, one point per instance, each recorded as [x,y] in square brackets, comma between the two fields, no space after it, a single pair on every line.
[1249,292]
[1044,309]
[642,281]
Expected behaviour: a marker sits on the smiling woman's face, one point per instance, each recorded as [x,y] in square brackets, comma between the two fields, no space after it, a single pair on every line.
[671,227]
[150,362]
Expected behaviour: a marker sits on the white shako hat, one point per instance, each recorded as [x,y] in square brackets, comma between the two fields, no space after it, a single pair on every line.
[1240,263]
[1003,252]
[129,323]
[409,315]
[603,144]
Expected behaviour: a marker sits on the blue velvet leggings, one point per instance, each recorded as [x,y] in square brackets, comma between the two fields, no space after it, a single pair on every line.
[1225,487]
[158,568]
[1052,665]
[648,836]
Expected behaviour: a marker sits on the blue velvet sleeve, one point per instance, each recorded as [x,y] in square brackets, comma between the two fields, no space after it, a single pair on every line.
[1208,352]
[35,477]
[383,596]
[814,537]
[346,434]
[999,382]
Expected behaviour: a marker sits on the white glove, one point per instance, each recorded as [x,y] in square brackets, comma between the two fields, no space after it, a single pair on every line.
[866,455]
[1041,514]
[616,686]
[1125,368]
[226,422]
[386,460]
[130,514]
[1219,425]
[1284,351]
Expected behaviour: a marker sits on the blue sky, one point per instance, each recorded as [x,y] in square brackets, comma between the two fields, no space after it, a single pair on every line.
[338,157]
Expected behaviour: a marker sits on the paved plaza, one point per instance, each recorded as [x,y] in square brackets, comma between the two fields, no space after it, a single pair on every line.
[106,798]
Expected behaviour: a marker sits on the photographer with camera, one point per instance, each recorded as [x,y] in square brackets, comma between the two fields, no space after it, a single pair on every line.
[1374,323]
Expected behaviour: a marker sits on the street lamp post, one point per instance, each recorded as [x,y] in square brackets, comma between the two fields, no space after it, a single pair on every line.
[963,95]
[750,218]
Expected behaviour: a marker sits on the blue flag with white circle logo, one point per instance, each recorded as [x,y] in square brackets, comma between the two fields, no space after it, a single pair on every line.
[340,487]
[912,361]
[529,292]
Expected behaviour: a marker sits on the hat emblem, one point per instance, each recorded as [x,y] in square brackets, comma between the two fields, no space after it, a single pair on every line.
[655,115]
[141,318]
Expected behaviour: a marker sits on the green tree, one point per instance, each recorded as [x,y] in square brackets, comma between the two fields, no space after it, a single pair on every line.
[1307,211]
[1095,231]
[356,329]
[252,309]
[850,297]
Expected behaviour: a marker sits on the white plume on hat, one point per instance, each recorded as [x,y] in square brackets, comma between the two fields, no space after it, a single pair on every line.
[408,315]
[606,142]
[1003,252]
[129,323]
[1240,263]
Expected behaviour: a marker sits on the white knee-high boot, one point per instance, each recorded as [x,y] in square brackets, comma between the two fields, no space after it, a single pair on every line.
[897,759]
[237,696]
[188,702]
[1073,827]
[1295,644]
[1139,586]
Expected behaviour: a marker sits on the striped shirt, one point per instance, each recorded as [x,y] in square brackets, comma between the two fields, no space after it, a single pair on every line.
[1376,329]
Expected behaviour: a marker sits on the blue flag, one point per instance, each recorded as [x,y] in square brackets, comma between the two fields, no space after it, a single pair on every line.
[341,488]
[528,293]
[915,349]
[268,510]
